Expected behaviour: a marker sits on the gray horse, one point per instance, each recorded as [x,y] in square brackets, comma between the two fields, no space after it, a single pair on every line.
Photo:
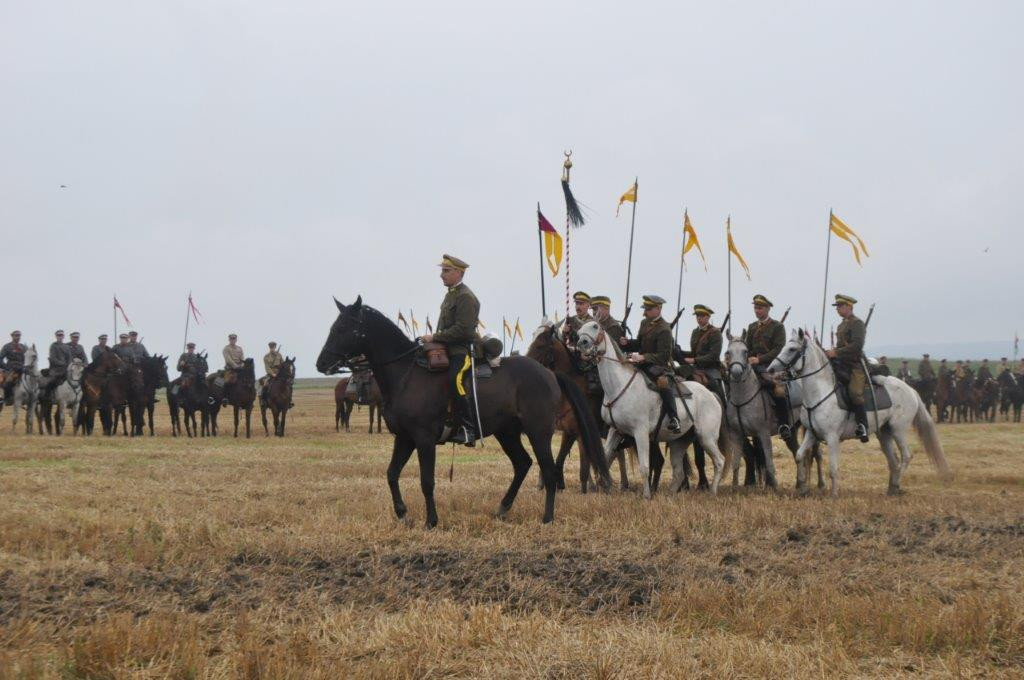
[68,395]
[26,392]
[749,415]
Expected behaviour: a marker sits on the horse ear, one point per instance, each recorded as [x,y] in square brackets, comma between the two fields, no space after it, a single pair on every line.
[800,333]
[358,303]
[743,336]
[728,335]
[341,307]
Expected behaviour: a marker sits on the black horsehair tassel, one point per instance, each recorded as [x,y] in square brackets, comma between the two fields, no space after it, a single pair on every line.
[572,208]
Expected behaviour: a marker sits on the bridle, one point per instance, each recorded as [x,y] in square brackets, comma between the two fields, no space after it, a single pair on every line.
[347,359]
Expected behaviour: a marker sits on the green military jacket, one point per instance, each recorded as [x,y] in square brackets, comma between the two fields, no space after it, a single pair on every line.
[706,347]
[765,339]
[850,337]
[984,373]
[924,369]
[654,341]
[458,319]
[612,327]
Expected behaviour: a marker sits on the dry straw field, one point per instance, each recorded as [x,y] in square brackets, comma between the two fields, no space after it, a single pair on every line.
[282,559]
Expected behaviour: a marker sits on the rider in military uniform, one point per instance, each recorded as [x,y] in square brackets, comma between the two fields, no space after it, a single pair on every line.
[456,329]
[850,337]
[189,362]
[904,373]
[76,350]
[272,361]
[765,338]
[704,357]
[60,357]
[573,324]
[234,359]
[652,351]
[12,362]
[136,349]
[123,351]
[943,368]
[924,368]
[883,366]
[984,374]
[99,348]
[601,304]
[959,372]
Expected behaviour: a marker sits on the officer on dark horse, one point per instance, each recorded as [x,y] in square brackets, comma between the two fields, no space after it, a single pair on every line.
[520,398]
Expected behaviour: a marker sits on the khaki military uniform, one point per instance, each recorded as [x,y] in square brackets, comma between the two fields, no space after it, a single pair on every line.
[654,340]
[457,320]
[234,357]
[272,362]
[764,340]
[612,328]
[850,337]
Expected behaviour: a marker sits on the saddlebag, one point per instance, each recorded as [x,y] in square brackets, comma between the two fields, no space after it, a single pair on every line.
[437,356]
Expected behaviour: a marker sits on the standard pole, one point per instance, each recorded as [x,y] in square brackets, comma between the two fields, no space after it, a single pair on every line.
[540,253]
[188,310]
[828,253]
[728,256]
[632,227]
[679,291]
[114,339]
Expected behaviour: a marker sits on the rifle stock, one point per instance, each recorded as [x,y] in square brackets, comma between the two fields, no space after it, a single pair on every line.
[625,317]
[676,320]
[785,314]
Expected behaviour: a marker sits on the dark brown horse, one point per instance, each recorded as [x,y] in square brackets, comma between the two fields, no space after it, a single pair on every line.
[192,396]
[241,394]
[279,396]
[94,390]
[966,400]
[521,397]
[154,376]
[945,397]
[550,352]
[345,402]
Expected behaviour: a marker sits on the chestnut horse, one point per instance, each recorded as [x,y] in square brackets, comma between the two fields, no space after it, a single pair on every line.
[279,396]
[343,404]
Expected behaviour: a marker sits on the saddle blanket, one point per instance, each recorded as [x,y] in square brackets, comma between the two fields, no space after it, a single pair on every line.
[881,395]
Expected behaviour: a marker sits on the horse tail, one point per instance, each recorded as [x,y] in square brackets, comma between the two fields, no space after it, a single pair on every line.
[929,435]
[590,437]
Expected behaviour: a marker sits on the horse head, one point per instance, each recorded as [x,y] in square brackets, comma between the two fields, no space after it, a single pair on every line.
[544,347]
[736,358]
[31,360]
[361,329]
[592,342]
[75,370]
[286,370]
[792,352]
[159,363]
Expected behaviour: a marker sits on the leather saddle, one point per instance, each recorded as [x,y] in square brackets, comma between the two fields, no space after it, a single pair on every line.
[681,390]
[884,400]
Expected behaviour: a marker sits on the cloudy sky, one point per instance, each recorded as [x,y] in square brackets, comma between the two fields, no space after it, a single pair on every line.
[269,155]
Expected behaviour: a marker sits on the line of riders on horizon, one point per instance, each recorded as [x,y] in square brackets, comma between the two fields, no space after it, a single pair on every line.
[129,350]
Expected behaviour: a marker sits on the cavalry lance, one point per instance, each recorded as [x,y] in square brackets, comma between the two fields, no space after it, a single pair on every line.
[867,374]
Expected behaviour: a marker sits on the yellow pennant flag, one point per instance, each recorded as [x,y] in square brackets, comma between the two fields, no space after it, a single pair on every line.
[415,323]
[843,231]
[519,331]
[506,327]
[630,196]
[690,239]
[481,324]
[732,247]
[401,320]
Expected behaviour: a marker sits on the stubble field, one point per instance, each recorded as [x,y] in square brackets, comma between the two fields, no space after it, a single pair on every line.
[272,558]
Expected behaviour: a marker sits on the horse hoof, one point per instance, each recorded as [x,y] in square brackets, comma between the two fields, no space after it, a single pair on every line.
[803,491]
[401,510]
[894,491]
[501,512]
[431,523]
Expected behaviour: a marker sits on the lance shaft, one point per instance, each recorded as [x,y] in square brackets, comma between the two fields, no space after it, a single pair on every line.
[540,253]
[632,226]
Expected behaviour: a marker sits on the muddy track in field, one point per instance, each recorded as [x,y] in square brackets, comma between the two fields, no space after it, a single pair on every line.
[533,578]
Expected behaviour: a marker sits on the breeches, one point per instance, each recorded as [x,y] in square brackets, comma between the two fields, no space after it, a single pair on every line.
[458,366]
[858,381]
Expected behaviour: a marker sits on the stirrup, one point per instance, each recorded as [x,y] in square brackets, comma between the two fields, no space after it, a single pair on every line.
[464,435]
[785,431]
[673,425]
[861,432]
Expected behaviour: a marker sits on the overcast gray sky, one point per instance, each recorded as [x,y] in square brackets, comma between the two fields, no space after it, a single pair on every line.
[269,155]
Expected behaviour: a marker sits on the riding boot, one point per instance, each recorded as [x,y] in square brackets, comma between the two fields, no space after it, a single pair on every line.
[861,415]
[464,430]
[668,401]
[781,405]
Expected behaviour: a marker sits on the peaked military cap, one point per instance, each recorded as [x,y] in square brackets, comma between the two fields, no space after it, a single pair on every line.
[580,296]
[133,333]
[653,301]
[762,300]
[102,337]
[191,344]
[601,300]
[75,334]
[453,262]
[272,344]
[926,355]
[15,332]
[123,335]
[232,335]
[844,300]
[702,309]
[58,332]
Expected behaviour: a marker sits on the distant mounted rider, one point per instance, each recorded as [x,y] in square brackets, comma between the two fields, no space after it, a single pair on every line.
[12,362]
[652,352]
[848,353]
[765,338]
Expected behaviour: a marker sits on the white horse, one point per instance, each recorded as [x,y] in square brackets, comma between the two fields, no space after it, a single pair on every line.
[68,394]
[749,413]
[631,408]
[26,392]
[825,421]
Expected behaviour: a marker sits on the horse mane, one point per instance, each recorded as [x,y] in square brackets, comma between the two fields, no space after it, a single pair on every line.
[387,326]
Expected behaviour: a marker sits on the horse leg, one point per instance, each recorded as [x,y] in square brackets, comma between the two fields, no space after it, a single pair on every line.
[643,455]
[680,465]
[902,441]
[337,415]
[750,463]
[611,445]
[698,461]
[400,454]
[284,418]
[512,444]
[150,407]
[657,463]
[427,454]
[248,422]
[236,422]
[808,444]
[371,418]
[765,441]
[833,464]
[263,415]
[564,449]
[885,439]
